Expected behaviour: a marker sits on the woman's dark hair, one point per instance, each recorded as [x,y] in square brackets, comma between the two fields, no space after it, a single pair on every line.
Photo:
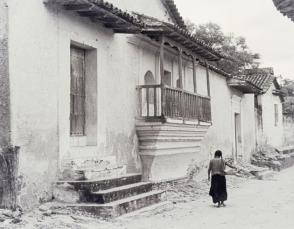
[218,153]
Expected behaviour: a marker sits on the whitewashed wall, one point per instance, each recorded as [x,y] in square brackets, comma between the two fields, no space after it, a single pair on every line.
[40,93]
[225,101]
[272,134]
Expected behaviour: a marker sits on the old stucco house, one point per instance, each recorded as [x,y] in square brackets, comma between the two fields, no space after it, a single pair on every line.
[91,91]
[268,107]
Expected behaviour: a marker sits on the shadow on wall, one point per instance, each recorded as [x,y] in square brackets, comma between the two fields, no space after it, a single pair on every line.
[8,177]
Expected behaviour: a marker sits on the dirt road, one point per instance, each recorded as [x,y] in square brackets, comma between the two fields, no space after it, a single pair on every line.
[252,204]
[255,204]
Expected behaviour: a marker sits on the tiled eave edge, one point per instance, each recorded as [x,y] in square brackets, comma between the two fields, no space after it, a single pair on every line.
[173,10]
[243,85]
[183,38]
[286,7]
[103,12]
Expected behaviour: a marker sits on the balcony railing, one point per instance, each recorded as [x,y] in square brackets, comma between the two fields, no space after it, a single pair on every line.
[157,101]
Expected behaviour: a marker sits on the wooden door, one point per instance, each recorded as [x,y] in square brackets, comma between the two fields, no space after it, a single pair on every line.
[77,92]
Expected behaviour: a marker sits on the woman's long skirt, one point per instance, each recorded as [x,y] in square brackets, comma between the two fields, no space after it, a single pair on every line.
[218,188]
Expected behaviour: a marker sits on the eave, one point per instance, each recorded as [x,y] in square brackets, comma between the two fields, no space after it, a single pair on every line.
[286,7]
[173,10]
[184,38]
[243,86]
[99,11]
[279,93]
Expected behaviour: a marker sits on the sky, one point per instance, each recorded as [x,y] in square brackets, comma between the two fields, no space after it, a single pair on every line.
[266,30]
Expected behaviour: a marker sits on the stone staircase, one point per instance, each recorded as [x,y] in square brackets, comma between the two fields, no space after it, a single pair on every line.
[112,197]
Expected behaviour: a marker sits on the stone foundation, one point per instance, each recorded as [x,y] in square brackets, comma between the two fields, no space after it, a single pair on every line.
[168,149]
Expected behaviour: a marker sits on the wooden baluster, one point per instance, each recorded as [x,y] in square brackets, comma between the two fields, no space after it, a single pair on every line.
[155,102]
[140,102]
[147,98]
[191,105]
[180,103]
[161,58]
[194,74]
[200,108]
[207,78]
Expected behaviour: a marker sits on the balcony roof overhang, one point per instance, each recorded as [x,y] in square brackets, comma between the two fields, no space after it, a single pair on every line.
[182,37]
[99,11]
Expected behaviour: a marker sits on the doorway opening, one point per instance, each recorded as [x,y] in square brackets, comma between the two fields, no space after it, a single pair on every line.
[238,136]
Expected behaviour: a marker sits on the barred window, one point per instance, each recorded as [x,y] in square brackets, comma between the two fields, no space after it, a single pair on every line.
[77,91]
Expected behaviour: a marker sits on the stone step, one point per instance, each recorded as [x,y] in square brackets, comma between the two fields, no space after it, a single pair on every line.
[119,207]
[165,133]
[102,184]
[170,138]
[121,192]
[161,206]
[286,149]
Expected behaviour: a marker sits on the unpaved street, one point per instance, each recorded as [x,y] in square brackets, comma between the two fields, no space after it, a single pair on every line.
[252,204]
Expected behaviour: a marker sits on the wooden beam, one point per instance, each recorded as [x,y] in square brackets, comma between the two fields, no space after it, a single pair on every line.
[161,62]
[112,20]
[74,7]
[195,63]
[181,68]
[125,30]
[161,58]
[90,13]
[207,78]
[116,24]
[101,17]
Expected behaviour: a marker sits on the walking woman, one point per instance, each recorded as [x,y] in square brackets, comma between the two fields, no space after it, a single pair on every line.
[218,188]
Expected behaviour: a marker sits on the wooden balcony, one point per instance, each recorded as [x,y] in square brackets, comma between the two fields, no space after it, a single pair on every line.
[158,102]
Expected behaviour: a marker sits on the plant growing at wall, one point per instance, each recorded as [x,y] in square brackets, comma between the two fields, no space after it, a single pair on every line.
[235,47]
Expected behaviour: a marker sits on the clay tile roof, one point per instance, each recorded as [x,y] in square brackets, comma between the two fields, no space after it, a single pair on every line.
[286,7]
[116,11]
[102,11]
[173,10]
[155,27]
[261,78]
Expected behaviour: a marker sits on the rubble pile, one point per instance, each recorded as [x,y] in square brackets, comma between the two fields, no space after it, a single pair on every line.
[275,159]
[10,216]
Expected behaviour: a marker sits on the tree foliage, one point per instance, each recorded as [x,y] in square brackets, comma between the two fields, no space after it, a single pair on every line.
[235,47]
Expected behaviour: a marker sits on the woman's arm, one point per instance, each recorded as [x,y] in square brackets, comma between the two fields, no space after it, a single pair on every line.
[230,165]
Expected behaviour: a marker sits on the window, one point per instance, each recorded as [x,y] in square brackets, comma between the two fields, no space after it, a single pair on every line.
[77,91]
[149,78]
[276,114]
